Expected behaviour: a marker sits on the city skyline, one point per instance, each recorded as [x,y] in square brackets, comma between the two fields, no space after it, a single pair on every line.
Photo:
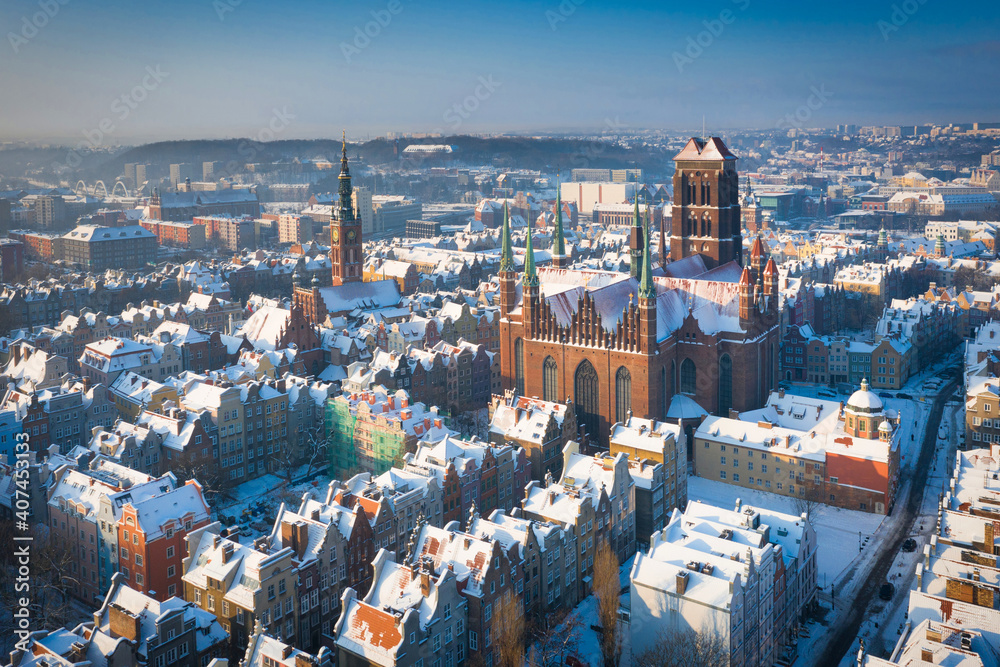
[228,68]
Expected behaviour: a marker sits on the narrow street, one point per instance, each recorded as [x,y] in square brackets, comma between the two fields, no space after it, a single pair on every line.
[842,634]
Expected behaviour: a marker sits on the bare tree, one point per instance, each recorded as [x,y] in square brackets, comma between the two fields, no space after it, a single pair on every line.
[607,589]
[50,604]
[509,630]
[806,505]
[556,636]
[684,648]
[315,449]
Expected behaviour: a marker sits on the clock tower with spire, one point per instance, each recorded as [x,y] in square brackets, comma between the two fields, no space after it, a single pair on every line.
[346,252]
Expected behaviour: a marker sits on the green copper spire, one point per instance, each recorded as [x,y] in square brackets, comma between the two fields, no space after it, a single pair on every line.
[506,253]
[647,290]
[636,220]
[530,274]
[559,243]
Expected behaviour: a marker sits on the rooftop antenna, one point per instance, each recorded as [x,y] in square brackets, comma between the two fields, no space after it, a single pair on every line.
[703,135]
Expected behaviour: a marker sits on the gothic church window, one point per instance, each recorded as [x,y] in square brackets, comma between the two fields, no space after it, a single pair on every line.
[689,381]
[586,386]
[550,384]
[519,367]
[623,394]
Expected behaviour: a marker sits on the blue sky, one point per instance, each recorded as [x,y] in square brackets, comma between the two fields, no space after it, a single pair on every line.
[227,68]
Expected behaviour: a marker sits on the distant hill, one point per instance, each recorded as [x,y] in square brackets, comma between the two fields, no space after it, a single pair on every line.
[505,152]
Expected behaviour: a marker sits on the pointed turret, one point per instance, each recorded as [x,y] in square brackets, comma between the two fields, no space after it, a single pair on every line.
[508,276]
[745,276]
[559,259]
[663,240]
[506,251]
[771,282]
[757,257]
[346,205]
[647,290]
[635,243]
[530,273]
[746,294]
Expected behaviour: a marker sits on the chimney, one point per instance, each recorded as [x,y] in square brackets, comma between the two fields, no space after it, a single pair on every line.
[781,392]
[301,538]
[734,414]
[425,580]
[123,623]
[77,652]
[988,537]
[682,582]
[288,534]
[227,551]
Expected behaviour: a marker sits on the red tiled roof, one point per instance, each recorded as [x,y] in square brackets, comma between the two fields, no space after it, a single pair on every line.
[375,627]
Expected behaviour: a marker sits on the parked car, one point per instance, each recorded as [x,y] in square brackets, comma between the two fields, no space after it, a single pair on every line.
[902,395]
[885,394]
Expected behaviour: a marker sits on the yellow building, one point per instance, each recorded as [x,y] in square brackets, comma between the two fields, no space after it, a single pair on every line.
[134,393]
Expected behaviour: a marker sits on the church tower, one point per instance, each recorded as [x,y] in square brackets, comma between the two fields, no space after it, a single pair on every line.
[346,253]
[706,211]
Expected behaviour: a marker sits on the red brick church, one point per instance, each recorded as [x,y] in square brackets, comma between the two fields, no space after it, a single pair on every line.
[704,324]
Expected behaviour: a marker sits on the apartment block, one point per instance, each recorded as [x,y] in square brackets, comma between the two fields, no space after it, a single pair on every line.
[410,616]
[240,585]
[657,463]
[542,428]
[825,451]
[747,573]
[371,431]
[471,473]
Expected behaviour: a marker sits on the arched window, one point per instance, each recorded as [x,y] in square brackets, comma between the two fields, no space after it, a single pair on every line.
[587,396]
[550,383]
[689,380]
[623,394]
[725,384]
[519,367]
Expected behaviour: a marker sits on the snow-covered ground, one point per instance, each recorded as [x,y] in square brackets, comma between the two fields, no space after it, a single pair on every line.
[837,529]
[587,646]
[266,493]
